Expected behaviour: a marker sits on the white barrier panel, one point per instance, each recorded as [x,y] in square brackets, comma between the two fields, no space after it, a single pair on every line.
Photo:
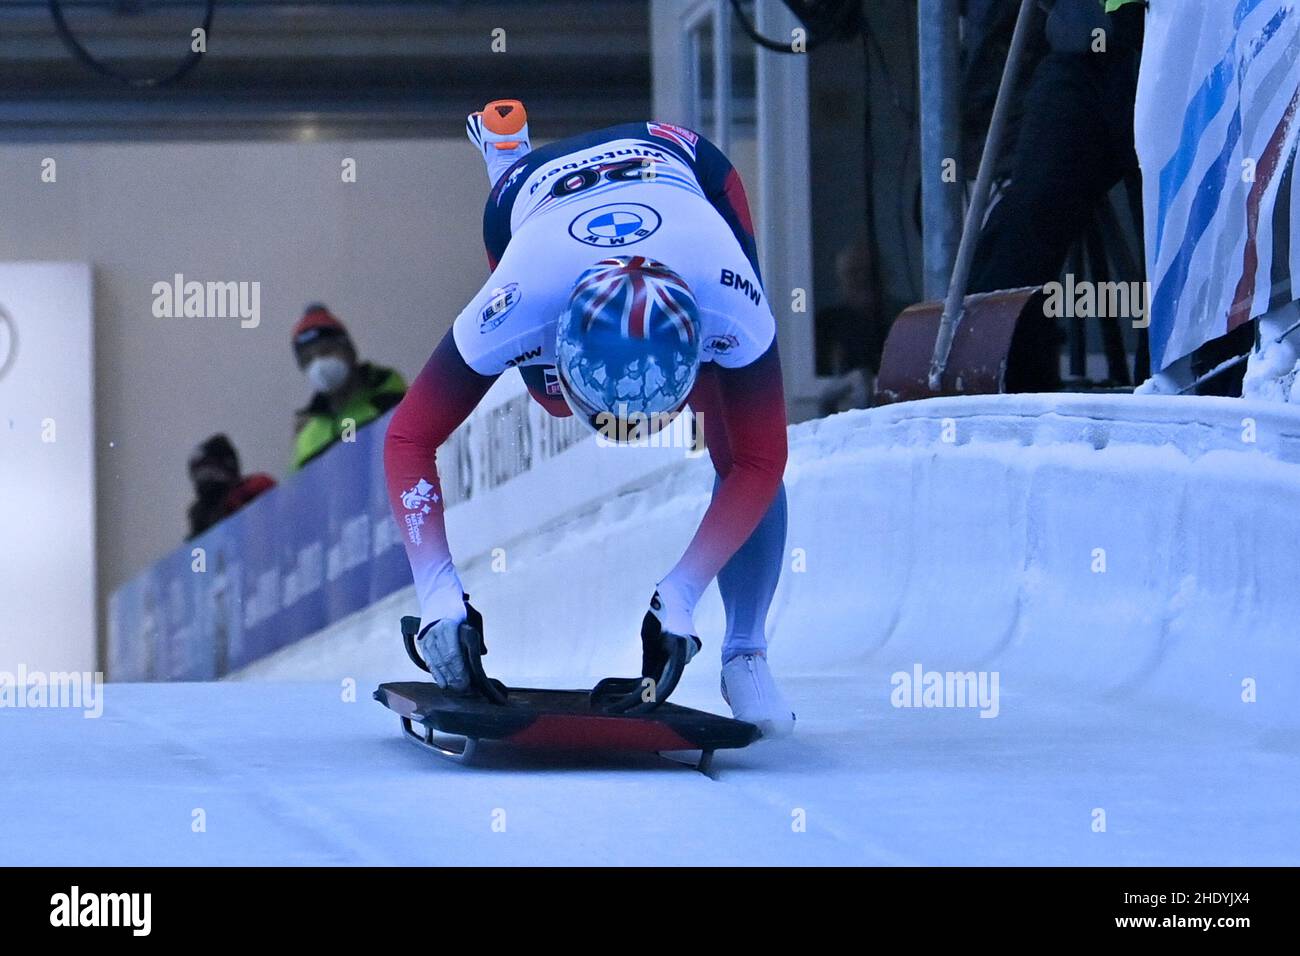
[47,468]
[1102,548]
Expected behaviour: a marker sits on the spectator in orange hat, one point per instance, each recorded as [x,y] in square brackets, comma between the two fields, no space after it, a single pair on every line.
[347,393]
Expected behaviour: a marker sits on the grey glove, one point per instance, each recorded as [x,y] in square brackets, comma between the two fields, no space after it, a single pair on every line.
[440,647]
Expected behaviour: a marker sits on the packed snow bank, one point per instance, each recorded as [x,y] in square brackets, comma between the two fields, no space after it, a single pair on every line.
[1095,546]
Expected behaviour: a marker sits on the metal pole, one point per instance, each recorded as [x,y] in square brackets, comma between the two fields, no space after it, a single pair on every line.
[940,118]
[691,29]
[952,306]
[722,74]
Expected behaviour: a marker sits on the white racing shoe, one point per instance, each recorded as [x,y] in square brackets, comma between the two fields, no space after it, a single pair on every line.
[748,687]
[500,131]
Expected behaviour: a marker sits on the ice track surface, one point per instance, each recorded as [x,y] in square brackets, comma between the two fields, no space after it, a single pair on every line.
[290,774]
[1125,565]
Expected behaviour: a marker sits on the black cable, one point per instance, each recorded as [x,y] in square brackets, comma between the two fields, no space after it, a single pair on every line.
[748,26]
[870,44]
[869,37]
[135,82]
[815,37]
[869,184]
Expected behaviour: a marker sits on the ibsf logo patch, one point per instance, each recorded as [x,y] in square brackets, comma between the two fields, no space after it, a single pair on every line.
[615,224]
[503,300]
[721,344]
[551,376]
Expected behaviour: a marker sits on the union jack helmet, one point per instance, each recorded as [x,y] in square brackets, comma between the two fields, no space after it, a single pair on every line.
[628,347]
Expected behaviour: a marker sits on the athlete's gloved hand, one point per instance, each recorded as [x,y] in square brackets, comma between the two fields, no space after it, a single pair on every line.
[667,644]
[451,650]
[440,649]
[664,655]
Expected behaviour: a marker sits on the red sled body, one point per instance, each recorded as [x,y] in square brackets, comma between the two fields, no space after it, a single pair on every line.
[453,725]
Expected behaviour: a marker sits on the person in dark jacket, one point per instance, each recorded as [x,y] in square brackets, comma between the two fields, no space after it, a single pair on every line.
[1074,144]
[348,393]
[219,488]
[850,334]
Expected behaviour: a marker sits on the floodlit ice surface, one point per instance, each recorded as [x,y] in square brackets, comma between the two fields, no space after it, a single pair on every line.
[290,774]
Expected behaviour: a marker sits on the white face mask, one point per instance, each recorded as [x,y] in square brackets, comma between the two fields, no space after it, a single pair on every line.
[327,373]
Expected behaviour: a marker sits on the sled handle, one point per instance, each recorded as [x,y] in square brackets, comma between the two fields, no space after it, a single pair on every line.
[410,628]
